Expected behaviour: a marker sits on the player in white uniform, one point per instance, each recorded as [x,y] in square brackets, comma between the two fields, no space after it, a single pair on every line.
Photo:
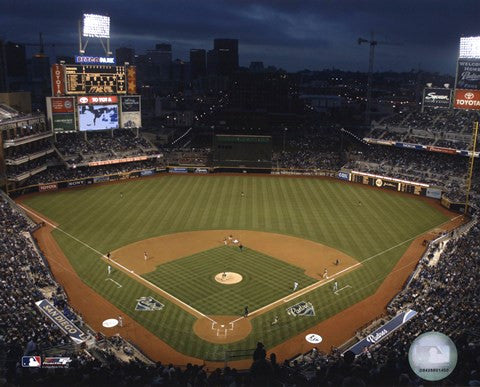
[295,285]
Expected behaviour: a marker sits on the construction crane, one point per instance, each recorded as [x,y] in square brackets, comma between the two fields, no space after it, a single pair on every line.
[373,43]
[41,44]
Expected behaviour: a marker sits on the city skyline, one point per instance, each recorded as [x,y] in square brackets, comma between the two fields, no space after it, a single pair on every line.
[317,35]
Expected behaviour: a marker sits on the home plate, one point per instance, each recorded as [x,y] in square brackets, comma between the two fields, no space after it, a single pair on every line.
[223,326]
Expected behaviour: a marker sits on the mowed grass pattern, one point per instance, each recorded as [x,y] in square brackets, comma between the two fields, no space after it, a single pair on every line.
[265,280]
[322,210]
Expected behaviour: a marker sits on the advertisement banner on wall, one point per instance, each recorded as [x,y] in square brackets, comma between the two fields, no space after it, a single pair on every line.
[435,193]
[131,120]
[63,122]
[467,99]
[379,334]
[131,80]
[468,74]
[62,105]
[48,187]
[130,111]
[58,79]
[437,98]
[97,100]
[130,103]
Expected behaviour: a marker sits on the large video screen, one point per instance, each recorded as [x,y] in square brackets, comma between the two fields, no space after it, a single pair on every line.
[98,117]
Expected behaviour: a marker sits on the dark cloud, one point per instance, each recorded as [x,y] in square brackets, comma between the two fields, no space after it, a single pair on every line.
[286,33]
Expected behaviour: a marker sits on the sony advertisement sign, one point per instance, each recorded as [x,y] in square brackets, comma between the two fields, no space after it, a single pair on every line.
[468,74]
[94,60]
[437,98]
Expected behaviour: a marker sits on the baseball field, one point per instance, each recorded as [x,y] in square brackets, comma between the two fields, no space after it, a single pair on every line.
[189,253]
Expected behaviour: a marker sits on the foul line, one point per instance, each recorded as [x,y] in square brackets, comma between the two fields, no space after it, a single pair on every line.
[339,290]
[323,282]
[109,279]
[131,272]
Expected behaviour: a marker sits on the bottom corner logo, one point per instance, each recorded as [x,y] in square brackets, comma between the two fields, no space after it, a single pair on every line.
[303,308]
[31,361]
[148,304]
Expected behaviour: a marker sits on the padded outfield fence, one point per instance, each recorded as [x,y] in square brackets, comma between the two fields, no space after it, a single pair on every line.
[384,182]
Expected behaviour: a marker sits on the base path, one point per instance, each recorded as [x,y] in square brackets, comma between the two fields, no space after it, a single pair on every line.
[311,256]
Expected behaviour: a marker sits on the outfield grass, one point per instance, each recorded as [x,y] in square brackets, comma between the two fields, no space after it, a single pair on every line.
[191,279]
[321,210]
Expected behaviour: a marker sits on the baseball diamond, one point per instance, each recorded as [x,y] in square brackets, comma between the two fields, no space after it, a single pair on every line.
[291,230]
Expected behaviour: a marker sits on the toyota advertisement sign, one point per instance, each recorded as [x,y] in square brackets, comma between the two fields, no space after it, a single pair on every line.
[437,98]
[467,99]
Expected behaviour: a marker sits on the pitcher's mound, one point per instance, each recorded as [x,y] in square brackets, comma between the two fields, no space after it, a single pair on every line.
[228,278]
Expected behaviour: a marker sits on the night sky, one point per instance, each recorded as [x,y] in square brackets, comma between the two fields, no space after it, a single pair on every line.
[290,34]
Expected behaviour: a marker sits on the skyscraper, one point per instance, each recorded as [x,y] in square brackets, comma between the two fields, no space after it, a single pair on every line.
[227,55]
[161,57]
[198,63]
[125,54]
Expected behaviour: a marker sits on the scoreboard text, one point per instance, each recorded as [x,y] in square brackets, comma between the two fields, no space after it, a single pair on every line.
[95,79]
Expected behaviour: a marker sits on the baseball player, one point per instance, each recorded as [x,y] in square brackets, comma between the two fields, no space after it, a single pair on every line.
[242,194]
[225,241]
[335,286]
[325,273]
[109,269]
[120,321]
[275,320]
[224,276]
[295,286]
[145,255]
[245,312]
[337,262]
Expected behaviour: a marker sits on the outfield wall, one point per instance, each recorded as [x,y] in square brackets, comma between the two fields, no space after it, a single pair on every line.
[384,182]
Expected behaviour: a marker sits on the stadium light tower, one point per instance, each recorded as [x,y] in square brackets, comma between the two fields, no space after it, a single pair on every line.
[373,43]
[94,26]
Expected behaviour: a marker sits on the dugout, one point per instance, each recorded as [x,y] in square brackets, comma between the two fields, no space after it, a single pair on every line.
[242,151]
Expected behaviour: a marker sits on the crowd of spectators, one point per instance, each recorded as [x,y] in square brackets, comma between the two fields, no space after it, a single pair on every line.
[16,170]
[76,148]
[439,169]
[60,173]
[17,152]
[23,276]
[437,127]
[310,152]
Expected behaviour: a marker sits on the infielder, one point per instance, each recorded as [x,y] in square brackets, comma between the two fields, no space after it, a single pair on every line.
[295,286]
[120,321]
[325,273]
[145,255]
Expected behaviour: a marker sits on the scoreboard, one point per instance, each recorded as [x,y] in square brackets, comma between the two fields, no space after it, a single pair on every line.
[80,79]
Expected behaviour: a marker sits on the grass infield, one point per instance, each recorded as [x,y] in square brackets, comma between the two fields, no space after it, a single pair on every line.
[357,220]
[191,279]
